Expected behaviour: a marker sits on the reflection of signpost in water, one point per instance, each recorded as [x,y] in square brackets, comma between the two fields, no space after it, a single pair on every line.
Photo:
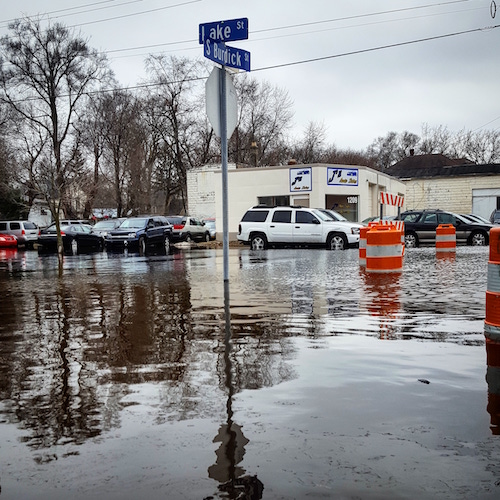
[232,441]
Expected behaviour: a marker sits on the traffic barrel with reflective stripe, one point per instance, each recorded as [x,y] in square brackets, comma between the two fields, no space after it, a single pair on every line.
[362,245]
[446,238]
[384,251]
[492,317]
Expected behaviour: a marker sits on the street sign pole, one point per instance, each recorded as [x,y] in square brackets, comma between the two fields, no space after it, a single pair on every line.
[223,139]
[213,37]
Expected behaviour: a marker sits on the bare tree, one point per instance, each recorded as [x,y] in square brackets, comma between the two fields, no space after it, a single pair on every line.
[121,123]
[265,117]
[172,116]
[44,77]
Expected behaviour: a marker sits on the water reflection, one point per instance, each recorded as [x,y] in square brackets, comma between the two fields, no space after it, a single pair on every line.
[76,347]
[493,380]
[382,297]
[124,339]
[226,469]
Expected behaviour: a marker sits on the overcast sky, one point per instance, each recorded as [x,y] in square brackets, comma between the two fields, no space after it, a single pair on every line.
[357,89]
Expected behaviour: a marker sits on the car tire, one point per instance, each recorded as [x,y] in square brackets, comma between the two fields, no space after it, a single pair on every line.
[166,244]
[188,238]
[258,242]
[411,240]
[336,241]
[207,237]
[478,239]
[142,245]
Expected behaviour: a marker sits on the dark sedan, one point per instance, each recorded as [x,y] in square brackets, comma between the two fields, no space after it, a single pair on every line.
[420,228]
[77,238]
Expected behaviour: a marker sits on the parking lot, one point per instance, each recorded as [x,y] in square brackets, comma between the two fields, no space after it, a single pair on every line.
[122,377]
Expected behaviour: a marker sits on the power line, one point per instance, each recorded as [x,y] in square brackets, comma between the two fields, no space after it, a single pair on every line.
[381,47]
[358,16]
[136,13]
[279,28]
[8,21]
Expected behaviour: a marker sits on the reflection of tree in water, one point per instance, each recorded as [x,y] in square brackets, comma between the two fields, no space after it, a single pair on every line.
[83,339]
[50,393]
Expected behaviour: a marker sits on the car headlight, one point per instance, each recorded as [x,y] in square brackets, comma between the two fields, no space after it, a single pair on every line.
[131,235]
[355,230]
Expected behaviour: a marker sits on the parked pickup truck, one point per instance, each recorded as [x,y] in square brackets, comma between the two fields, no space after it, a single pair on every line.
[262,227]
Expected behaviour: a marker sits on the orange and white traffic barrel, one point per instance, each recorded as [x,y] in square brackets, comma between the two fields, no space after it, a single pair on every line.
[492,330]
[492,318]
[384,251]
[362,245]
[446,238]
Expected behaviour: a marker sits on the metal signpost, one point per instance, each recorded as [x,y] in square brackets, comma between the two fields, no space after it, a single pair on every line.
[213,37]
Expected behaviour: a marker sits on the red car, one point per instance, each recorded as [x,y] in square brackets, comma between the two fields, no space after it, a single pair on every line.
[8,241]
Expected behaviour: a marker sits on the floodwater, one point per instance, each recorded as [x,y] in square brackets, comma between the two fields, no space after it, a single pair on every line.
[126,376]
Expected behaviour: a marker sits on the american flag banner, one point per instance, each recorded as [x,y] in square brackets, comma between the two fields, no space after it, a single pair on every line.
[391,199]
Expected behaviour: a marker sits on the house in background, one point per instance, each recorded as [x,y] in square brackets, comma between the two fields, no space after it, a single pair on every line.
[436,181]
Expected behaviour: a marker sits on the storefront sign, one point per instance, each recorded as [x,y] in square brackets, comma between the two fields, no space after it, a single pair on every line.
[342,176]
[300,179]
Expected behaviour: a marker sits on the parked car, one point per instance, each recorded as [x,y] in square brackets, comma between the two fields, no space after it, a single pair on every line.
[8,241]
[261,227]
[76,238]
[495,216]
[186,228]
[26,232]
[210,224]
[140,234]
[420,228]
[103,227]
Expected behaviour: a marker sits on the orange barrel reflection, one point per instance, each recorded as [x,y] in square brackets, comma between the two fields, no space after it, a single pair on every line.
[384,251]
[446,238]
[492,330]
[383,292]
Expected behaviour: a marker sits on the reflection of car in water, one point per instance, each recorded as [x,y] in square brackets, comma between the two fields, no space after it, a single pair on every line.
[141,233]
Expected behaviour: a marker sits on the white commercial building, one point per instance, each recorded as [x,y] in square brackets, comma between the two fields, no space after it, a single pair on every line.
[353,191]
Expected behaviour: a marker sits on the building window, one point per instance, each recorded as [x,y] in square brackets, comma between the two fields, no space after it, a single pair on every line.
[274,201]
[344,205]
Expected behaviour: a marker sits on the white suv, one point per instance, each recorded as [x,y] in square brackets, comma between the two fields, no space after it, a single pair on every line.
[263,226]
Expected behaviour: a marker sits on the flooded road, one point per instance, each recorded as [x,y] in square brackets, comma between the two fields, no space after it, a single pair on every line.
[120,377]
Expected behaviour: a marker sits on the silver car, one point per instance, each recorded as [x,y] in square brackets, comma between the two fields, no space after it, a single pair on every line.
[25,231]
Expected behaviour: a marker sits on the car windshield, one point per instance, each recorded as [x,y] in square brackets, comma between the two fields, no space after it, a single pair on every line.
[105,224]
[336,215]
[134,223]
[321,215]
[176,220]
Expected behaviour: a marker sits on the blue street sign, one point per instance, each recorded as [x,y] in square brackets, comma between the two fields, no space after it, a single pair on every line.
[221,53]
[224,31]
